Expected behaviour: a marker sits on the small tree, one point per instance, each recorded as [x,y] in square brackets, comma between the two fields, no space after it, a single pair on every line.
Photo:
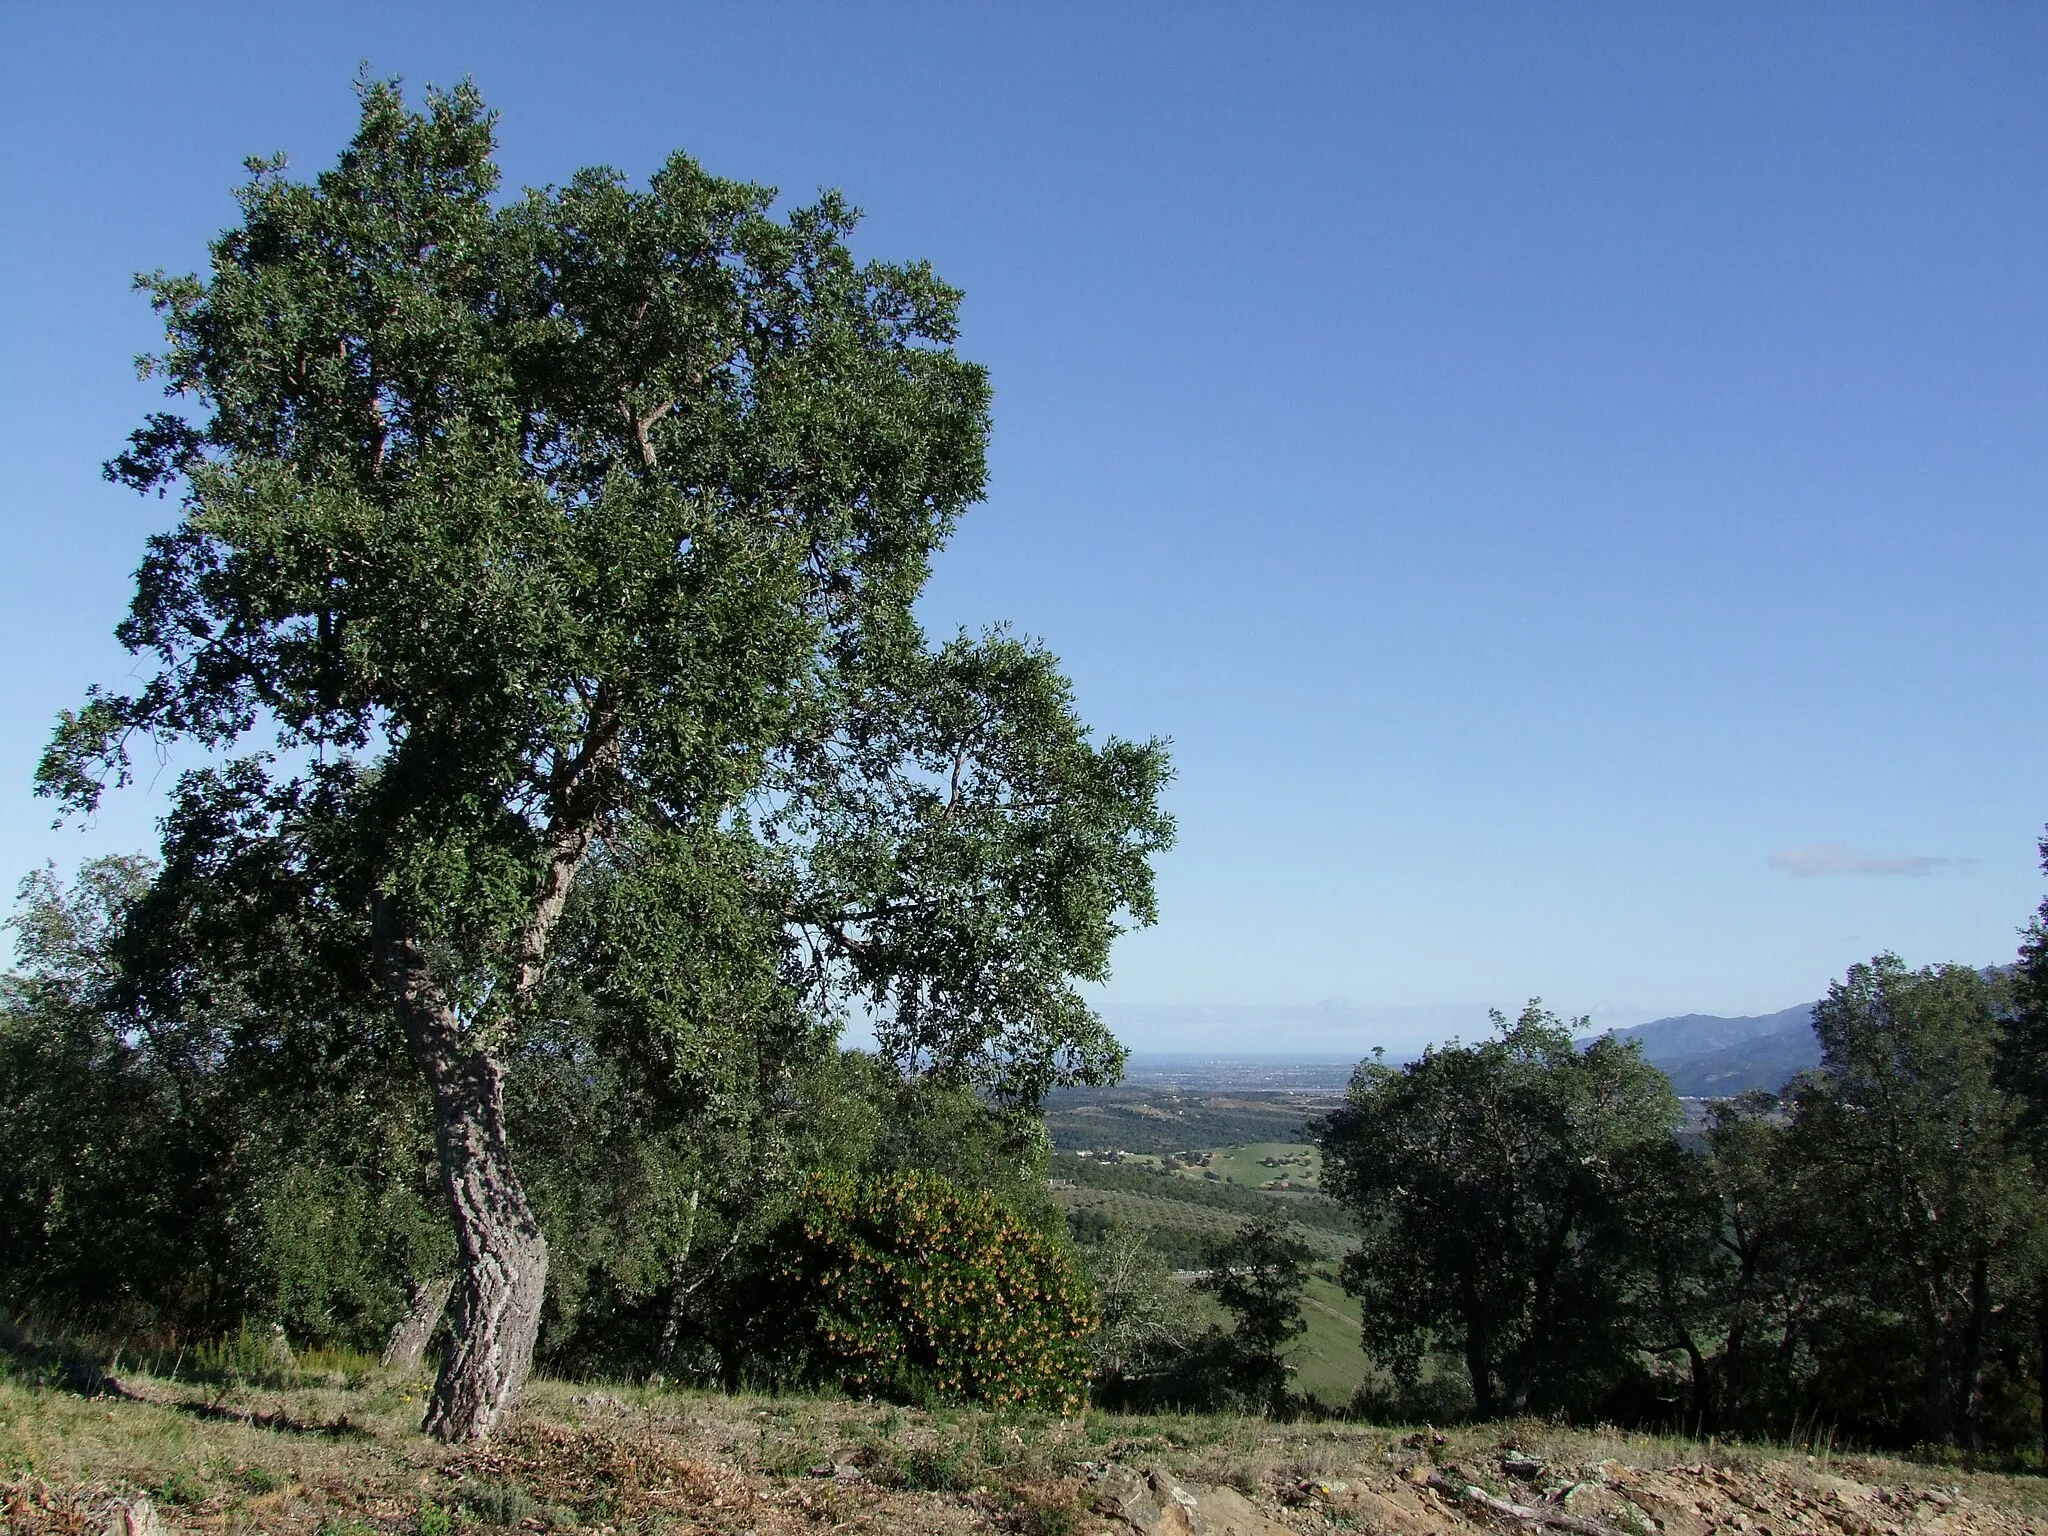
[1909,1148]
[1147,1323]
[587,524]
[1494,1184]
[1257,1275]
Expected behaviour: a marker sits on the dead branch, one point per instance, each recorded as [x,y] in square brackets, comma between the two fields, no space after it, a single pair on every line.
[1559,1518]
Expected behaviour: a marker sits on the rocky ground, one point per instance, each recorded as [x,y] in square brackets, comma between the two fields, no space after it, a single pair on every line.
[342,1458]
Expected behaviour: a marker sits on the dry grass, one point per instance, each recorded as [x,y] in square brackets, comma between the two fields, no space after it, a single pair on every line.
[334,1450]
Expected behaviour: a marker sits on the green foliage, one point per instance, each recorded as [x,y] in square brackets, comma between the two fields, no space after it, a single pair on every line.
[906,1286]
[1866,1250]
[1258,1276]
[2023,1044]
[195,1141]
[89,1210]
[658,1222]
[1906,1165]
[591,519]
[1497,1184]
[1147,1323]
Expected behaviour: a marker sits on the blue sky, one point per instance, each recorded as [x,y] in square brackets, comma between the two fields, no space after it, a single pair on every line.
[1569,480]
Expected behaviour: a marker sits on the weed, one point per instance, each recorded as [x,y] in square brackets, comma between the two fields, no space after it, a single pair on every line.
[181,1488]
[259,1479]
[347,1526]
[434,1520]
[1048,1511]
[941,1468]
[781,1457]
[499,1503]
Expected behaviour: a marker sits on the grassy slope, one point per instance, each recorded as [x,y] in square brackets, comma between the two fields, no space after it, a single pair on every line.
[329,1459]
[1328,1361]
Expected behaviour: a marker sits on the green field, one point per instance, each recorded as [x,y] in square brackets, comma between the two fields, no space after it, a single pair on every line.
[1179,1231]
[1266,1165]
[1155,1121]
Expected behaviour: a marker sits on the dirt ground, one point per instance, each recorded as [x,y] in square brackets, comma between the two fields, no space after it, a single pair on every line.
[344,1458]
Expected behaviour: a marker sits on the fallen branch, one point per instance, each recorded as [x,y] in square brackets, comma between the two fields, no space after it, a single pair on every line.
[1559,1518]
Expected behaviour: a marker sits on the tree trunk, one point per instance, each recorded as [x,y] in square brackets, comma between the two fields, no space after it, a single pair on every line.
[1973,1356]
[1940,1365]
[1477,1365]
[679,1294]
[502,1256]
[408,1342]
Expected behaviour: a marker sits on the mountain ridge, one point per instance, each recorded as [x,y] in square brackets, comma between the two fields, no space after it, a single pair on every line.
[1709,1056]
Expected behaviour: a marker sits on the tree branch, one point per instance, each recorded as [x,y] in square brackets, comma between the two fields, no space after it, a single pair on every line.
[1561,1519]
[642,425]
[577,801]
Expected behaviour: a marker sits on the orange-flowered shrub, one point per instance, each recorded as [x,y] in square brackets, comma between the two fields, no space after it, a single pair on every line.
[906,1286]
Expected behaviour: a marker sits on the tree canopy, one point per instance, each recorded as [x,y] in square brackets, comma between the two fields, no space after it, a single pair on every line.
[1497,1183]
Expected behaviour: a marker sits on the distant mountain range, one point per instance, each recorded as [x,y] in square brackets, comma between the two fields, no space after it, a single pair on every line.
[1708,1057]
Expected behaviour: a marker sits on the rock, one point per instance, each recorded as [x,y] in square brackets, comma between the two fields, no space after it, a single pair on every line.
[601,1400]
[133,1517]
[1152,1503]
[1394,1511]
[1146,1502]
[1521,1465]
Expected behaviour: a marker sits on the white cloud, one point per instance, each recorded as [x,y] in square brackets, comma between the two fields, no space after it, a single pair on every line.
[1834,859]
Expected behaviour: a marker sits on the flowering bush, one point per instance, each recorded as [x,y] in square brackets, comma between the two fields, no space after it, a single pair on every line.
[909,1287]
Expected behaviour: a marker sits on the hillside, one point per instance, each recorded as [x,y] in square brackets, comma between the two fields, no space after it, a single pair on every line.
[1707,1056]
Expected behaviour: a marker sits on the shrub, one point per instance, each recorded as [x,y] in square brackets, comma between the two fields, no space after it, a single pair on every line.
[906,1286]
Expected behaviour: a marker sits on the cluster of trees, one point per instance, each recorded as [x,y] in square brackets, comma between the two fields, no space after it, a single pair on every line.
[541,597]
[183,1172]
[1865,1254]
[1156,1348]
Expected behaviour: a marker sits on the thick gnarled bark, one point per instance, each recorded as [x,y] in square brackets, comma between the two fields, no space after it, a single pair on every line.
[502,1255]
